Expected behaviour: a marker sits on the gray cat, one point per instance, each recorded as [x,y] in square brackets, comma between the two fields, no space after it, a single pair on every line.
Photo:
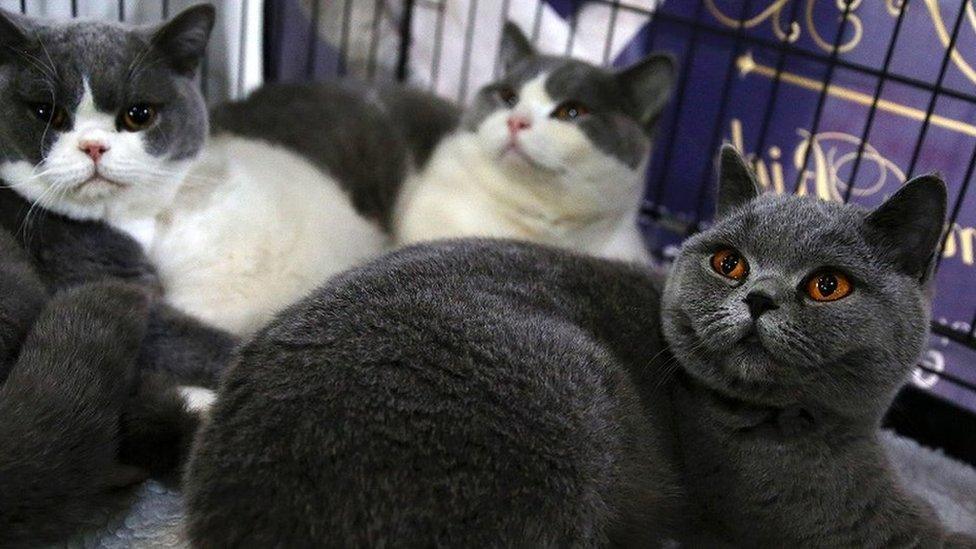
[485,393]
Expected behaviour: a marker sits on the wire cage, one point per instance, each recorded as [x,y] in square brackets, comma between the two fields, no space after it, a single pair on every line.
[845,99]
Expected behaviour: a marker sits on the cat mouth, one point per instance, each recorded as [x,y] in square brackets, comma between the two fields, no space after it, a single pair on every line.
[514,149]
[96,179]
[752,340]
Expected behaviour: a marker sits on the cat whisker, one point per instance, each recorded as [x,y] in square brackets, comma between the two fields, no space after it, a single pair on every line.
[52,65]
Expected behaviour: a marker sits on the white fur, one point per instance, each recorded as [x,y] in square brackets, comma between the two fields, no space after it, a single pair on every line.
[197,399]
[128,185]
[557,188]
[254,229]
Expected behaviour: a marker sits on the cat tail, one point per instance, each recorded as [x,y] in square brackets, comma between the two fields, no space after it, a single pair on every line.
[60,411]
[22,295]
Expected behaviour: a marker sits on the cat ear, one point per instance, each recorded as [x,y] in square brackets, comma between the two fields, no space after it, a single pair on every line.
[908,227]
[649,82]
[13,35]
[736,183]
[183,39]
[514,47]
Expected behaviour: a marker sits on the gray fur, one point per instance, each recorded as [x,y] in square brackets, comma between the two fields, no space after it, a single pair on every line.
[453,395]
[368,138]
[21,297]
[59,414]
[48,62]
[66,253]
[484,393]
[739,185]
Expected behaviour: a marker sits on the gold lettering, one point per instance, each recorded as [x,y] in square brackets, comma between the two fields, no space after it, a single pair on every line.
[961,240]
[831,153]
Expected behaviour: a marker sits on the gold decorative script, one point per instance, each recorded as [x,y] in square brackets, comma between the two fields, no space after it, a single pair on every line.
[774,14]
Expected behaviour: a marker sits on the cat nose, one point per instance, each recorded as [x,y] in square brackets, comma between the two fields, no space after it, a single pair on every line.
[94,149]
[518,123]
[759,303]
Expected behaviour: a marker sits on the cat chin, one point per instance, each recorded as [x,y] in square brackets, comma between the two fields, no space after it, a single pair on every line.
[741,371]
[719,379]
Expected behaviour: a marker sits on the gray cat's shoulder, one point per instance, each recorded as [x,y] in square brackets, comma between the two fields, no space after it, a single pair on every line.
[367,137]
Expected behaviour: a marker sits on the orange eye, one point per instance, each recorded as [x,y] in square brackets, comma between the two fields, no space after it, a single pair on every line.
[570,110]
[829,286]
[730,264]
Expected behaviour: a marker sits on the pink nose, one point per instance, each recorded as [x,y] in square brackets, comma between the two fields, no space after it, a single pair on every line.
[517,124]
[94,149]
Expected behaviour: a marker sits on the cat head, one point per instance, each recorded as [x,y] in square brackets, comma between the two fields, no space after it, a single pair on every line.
[98,115]
[795,301]
[551,117]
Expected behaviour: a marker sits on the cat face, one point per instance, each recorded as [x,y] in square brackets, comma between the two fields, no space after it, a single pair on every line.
[97,116]
[791,300]
[556,118]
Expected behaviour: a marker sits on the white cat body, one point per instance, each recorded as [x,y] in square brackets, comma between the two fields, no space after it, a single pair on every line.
[254,229]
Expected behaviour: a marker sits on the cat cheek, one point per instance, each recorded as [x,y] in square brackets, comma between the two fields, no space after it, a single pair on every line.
[570,142]
[493,132]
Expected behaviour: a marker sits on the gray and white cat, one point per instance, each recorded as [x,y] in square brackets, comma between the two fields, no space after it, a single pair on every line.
[486,393]
[553,152]
[105,122]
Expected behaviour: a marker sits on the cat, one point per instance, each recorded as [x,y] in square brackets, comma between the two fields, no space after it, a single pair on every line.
[554,152]
[107,123]
[491,392]
[101,121]
[428,169]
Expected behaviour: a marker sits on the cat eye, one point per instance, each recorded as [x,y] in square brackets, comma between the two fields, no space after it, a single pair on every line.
[507,95]
[570,110]
[51,114]
[828,285]
[138,117]
[729,263]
